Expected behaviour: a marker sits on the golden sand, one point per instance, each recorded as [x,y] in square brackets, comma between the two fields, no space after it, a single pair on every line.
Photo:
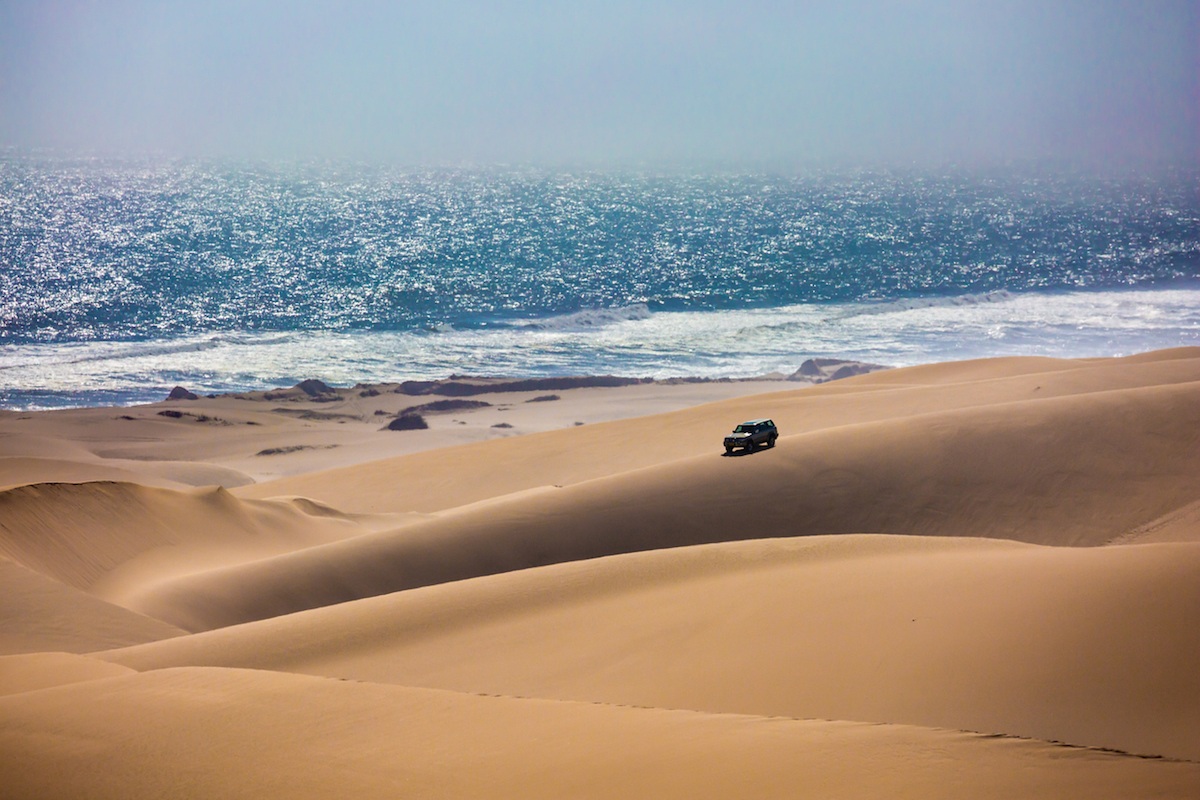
[976,579]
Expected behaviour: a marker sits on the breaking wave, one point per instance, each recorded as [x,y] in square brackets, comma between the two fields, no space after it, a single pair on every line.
[916,303]
[591,319]
[83,353]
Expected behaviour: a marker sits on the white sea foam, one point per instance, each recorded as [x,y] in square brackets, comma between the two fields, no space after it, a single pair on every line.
[590,319]
[911,303]
[628,341]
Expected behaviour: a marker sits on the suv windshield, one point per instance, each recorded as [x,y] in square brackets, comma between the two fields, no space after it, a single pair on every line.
[744,429]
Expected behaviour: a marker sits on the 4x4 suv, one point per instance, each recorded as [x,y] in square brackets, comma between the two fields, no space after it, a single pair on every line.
[751,434]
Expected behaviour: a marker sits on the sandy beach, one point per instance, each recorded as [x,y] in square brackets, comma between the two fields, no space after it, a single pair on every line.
[971,579]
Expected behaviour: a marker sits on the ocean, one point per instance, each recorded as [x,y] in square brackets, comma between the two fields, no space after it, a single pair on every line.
[122,279]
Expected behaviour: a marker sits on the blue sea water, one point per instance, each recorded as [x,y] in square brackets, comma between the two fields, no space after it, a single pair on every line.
[119,280]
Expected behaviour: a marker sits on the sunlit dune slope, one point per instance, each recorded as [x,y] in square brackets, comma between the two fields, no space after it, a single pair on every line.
[235,734]
[1092,646]
[1072,470]
[453,476]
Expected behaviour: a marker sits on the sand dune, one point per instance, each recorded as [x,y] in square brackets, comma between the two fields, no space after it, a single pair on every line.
[226,733]
[932,561]
[1032,471]
[1079,645]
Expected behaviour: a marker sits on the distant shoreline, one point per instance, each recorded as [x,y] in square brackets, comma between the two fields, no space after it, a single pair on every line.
[812,371]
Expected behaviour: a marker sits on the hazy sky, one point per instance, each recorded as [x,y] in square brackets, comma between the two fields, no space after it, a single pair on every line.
[595,82]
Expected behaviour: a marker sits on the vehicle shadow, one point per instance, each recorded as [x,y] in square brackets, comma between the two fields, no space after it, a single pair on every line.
[742,452]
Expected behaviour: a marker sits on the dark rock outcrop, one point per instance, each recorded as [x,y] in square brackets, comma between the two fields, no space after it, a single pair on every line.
[443,406]
[822,370]
[313,390]
[407,422]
